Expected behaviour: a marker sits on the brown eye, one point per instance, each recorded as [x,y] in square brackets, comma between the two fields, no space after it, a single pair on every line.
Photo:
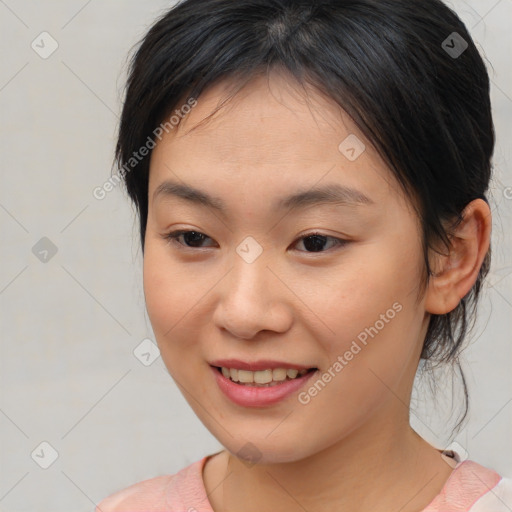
[191,239]
[316,242]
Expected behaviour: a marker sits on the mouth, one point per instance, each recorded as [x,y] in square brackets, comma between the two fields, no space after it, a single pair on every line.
[261,383]
[262,378]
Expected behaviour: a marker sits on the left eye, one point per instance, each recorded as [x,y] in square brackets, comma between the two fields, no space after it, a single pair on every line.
[313,242]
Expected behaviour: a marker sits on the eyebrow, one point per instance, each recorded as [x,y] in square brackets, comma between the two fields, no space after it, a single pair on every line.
[331,193]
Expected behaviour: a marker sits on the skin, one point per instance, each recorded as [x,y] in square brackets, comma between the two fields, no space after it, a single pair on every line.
[351,447]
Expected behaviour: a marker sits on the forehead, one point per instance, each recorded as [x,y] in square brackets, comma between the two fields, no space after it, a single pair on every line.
[272,135]
[263,118]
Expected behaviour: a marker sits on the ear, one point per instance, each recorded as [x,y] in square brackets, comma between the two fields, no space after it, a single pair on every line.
[455,273]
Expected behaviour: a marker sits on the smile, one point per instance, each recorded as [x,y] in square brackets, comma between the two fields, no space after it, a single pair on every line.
[249,390]
[268,377]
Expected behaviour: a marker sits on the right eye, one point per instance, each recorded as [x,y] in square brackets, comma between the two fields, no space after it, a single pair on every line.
[194,238]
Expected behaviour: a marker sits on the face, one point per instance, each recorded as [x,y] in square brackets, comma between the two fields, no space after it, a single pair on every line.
[325,281]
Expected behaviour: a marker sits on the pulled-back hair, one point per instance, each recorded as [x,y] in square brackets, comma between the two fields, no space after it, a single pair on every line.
[406,71]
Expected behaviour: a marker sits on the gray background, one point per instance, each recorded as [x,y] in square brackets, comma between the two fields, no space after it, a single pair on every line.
[70,322]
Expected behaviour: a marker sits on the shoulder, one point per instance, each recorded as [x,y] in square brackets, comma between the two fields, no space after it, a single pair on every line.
[467,489]
[137,496]
[496,499]
[180,491]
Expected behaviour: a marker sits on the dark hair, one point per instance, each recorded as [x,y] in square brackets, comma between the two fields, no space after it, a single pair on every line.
[417,91]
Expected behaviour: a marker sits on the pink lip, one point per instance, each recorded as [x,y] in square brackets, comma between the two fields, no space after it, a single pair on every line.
[262,364]
[252,396]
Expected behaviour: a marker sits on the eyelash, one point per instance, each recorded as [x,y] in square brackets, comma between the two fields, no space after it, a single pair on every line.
[173,236]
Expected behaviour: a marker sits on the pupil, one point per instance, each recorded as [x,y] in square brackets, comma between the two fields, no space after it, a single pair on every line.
[317,245]
[196,237]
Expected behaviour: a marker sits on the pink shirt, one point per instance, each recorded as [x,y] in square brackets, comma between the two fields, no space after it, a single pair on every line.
[470,487]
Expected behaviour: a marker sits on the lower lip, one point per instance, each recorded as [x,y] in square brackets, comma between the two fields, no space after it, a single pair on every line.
[253,396]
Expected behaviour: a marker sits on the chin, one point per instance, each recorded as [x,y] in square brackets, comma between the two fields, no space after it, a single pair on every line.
[262,451]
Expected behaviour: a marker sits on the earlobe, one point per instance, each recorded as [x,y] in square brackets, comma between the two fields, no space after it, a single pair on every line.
[456,272]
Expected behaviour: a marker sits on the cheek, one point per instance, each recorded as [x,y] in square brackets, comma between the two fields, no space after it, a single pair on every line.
[157,290]
[170,292]
[374,324]
[170,300]
[353,295]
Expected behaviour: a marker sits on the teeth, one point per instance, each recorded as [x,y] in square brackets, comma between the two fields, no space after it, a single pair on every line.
[262,376]
[279,374]
[245,376]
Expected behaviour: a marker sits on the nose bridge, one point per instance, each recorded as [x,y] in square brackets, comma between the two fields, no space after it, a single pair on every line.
[251,299]
[248,283]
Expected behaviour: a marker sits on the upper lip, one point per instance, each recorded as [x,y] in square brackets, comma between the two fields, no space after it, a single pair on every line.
[254,366]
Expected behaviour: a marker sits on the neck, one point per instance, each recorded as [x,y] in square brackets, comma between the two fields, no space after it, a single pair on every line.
[381,466]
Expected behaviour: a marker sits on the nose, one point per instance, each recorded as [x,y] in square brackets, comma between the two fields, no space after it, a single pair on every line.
[252,299]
